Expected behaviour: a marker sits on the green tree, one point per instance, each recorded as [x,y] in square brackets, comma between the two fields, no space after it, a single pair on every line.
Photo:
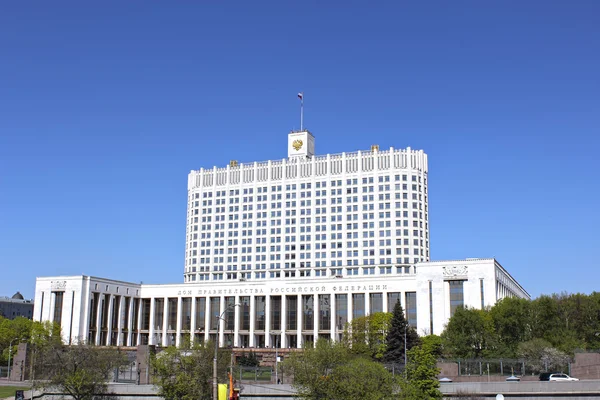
[589,322]
[422,371]
[398,331]
[566,321]
[433,344]
[331,371]
[379,326]
[187,374]
[368,335]
[80,370]
[512,323]
[249,360]
[312,367]
[361,378]
[469,334]
[409,391]
[355,335]
[21,329]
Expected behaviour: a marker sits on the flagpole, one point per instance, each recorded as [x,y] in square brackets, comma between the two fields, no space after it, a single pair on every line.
[302,113]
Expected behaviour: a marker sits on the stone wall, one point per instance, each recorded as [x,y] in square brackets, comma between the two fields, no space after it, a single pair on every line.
[20,364]
[586,366]
[143,355]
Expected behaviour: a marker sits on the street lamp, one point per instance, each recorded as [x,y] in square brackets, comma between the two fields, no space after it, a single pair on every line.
[405,360]
[9,355]
[215,383]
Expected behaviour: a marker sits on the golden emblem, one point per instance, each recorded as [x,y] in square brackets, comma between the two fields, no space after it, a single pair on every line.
[297,144]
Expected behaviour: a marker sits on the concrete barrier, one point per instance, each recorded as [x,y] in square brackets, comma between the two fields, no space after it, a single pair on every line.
[582,390]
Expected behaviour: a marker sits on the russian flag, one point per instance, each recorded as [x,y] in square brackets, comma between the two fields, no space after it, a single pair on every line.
[300,95]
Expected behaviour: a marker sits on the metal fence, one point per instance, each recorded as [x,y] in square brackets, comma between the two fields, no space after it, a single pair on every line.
[503,367]
[126,374]
[395,368]
[257,374]
[3,372]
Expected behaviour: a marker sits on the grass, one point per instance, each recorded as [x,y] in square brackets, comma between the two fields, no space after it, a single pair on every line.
[264,375]
[9,391]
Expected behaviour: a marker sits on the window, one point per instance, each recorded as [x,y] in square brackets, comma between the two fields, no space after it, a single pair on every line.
[482,297]
[430,308]
[392,299]
[411,308]
[358,305]
[456,295]
[375,302]
[58,305]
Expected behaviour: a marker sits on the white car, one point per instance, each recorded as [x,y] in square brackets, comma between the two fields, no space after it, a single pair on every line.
[561,378]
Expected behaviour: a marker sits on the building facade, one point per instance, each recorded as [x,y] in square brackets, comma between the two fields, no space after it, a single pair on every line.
[281,253]
[307,216]
[265,313]
[16,306]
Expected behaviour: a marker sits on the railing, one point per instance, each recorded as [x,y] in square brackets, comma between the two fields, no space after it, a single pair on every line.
[126,374]
[256,374]
[504,367]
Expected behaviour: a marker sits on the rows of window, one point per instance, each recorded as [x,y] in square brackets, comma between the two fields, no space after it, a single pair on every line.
[229,226]
[204,274]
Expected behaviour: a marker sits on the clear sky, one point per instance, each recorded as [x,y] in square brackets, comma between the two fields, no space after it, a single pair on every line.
[106,106]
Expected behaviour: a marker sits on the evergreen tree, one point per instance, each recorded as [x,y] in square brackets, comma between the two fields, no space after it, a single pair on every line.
[399,330]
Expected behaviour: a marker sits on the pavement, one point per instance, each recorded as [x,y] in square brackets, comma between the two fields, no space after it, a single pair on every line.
[6,382]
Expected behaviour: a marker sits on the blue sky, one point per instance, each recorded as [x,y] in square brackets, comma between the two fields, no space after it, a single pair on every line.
[105,108]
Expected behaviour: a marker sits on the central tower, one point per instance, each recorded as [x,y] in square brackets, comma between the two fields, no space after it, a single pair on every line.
[301,143]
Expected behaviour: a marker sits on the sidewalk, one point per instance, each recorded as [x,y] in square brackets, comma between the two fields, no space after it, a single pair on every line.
[6,382]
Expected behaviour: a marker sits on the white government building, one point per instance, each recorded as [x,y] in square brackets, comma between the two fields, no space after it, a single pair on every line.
[287,251]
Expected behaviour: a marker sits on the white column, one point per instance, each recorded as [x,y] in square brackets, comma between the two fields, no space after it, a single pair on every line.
[193,322]
[165,324]
[300,317]
[333,322]
[350,307]
[236,324]
[84,328]
[99,319]
[109,317]
[267,321]
[51,310]
[283,340]
[252,319]
[139,321]
[221,322]
[151,338]
[384,300]
[316,310]
[120,321]
[130,314]
[367,304]
[178,323]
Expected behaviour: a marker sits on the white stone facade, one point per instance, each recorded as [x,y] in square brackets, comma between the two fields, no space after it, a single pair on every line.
[308,216]
[107,312]
[483,281]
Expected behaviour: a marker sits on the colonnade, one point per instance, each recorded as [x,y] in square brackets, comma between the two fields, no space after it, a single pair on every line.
[248,321]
